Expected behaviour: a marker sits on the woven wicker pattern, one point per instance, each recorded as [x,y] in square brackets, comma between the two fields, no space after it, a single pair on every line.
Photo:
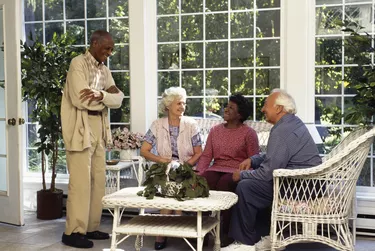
[314,204]
[261,128]
[177,226]
[167,225]
[128,198]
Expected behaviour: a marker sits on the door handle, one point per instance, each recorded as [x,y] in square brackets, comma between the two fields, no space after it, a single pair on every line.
[12,121]
[21,121]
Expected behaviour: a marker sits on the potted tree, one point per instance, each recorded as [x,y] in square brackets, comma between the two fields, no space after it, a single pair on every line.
[44,69]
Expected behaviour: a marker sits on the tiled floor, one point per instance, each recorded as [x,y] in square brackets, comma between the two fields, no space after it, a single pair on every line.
[46,236]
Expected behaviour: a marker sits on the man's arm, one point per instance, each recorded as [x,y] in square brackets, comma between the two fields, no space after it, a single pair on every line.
[277,157]
[77,88]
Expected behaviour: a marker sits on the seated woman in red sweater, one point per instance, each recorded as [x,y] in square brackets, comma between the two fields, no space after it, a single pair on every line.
[228,144]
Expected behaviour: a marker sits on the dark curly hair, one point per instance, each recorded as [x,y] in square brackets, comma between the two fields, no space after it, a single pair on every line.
[244,107]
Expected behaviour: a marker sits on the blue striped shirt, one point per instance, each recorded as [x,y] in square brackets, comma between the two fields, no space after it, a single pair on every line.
[290,146]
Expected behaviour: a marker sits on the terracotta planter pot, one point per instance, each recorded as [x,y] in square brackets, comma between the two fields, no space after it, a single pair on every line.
[49,204]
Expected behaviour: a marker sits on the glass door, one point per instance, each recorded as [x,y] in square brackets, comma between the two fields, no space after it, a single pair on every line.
[11,144]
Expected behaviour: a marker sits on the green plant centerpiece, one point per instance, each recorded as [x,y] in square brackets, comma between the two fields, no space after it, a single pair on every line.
[44,69]
[185,184]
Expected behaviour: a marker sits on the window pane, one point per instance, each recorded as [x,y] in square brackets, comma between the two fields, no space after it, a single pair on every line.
[242,25]
[75,9]
[191,6]
[242,81]
[267,4]
[213,29]
[266,80]
[34,32]
[33,10]
[192,27]
[118,8]
[77,30]
[215,107]
[93,25]
[34,160]
[242,4]
[192,81]
[216,54]
[216,5]
[122,80]
[259,102]
[166,80]
[53,10]
[122,114]
[268,52]
[52,28]
[194,107]
[328,51]
[365,176]
[217,80]
[168,6]
[96,8]
[328,110]
[242,53]
[168,56]
[268,23]
[192,55]
[361,14]
[119,29]
[168,29]
[328,80]
[120,58]
[61,162]
[32,136]
[326,18]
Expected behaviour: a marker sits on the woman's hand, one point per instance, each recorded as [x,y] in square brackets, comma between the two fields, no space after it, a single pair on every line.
[164,160]
[245,165]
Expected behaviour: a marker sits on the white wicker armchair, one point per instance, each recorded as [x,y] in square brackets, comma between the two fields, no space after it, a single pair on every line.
[314,204]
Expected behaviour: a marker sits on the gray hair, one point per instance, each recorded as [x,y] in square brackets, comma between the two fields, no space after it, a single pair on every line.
[169,95]
[284,99]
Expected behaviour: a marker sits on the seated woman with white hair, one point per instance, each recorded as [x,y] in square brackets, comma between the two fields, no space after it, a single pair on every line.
[174,137]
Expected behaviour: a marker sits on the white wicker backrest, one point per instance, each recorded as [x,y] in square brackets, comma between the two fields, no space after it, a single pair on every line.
[335,179]
[261,128]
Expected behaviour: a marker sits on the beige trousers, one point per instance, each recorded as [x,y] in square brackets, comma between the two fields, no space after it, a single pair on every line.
[86,183]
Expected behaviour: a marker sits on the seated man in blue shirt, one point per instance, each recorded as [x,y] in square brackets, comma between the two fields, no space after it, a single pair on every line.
[290,146]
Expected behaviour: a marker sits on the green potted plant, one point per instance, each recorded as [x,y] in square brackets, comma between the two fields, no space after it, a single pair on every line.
[173,180]
[44,69]
[359,46]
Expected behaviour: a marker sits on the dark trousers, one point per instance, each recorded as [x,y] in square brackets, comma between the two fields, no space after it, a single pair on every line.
[254,196]
[220,181]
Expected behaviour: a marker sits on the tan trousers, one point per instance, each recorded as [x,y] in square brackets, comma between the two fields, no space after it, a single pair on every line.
[86,183]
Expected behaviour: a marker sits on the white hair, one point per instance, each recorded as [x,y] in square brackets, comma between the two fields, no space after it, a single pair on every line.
[284,99]
[170,95]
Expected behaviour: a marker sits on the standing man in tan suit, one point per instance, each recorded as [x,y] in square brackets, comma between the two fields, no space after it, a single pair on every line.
[88,93]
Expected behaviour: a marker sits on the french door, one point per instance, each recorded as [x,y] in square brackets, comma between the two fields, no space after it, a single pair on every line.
[11,142]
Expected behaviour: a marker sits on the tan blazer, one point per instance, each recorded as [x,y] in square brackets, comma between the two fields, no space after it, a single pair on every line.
[74,117]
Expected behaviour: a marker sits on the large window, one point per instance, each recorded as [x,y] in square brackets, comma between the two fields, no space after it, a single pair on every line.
[334,65]
[214,48]
[79,18]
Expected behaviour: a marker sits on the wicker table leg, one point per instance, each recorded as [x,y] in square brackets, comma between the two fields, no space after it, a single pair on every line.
[138,242]
[217,232]
[114,227]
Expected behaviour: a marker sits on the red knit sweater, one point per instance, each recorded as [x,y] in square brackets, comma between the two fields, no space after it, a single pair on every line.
[228,148]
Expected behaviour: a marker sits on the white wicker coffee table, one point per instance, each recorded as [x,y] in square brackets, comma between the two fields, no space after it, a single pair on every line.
[167,225]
